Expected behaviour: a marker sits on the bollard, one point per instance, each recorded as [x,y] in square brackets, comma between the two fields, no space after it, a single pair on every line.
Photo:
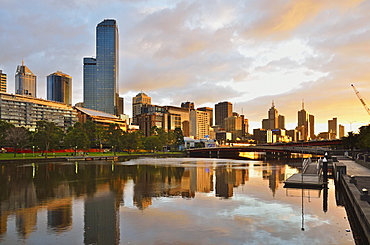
[353,180]
[365,195]
[325,170]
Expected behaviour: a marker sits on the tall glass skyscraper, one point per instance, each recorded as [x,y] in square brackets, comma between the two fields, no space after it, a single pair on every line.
[25,81]
[59,87]
[101,73]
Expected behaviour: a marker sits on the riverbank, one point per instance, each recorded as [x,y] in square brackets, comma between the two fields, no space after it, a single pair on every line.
[89,157]
[354,182]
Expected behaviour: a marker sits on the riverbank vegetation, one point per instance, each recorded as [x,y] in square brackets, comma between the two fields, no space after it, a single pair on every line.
[83,138]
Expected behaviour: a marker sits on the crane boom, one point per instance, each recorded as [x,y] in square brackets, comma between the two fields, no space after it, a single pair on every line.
[361,99]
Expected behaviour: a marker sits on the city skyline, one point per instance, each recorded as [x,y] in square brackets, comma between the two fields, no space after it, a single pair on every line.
[177,51]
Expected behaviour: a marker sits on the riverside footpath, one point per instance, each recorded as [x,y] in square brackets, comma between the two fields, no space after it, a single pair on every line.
[356,184]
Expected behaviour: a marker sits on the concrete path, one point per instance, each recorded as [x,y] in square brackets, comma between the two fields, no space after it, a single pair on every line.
[354,168]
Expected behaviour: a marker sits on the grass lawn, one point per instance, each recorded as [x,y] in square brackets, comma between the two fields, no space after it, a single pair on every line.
[10,155]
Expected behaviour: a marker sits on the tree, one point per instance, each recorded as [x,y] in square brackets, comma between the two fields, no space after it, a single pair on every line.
[152,143]
[47,136]
[132,141]
[114,137]
[77,138]
[363,139]
[350,141]
[4,126]
[17,138]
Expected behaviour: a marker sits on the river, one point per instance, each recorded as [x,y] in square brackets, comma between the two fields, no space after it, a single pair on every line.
[165,201]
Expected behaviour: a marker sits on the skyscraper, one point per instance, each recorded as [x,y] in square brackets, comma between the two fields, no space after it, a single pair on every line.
[59,87]
[274,120]
[101,73]
[2,81]
[333,128]
[223,110]
[306,124]
[25,81]
[137,103]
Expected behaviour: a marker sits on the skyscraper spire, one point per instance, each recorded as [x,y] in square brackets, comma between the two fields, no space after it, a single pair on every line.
[302,104]
[22,61]
[273,104]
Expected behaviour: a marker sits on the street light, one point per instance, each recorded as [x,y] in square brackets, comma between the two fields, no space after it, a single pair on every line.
[76,150]
[33,151]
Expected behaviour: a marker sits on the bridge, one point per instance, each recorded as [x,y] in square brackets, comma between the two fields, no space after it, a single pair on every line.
[310,147]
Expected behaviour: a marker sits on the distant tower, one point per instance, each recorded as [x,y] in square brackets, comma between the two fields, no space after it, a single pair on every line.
[25,81]
[137,103]
[2,81]
[273,117]
[333,128]
[223,110]
[101,73]
[306,124]
[59,87]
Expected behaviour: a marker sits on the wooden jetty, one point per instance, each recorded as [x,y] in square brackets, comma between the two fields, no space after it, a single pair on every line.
[310,178]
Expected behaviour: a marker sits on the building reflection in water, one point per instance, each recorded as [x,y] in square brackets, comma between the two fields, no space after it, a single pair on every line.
[28,190]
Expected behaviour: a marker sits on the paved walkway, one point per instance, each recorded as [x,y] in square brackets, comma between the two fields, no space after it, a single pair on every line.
[354,168]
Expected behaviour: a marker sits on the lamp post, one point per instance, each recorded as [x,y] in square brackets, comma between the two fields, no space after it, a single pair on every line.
[33,151]
[76,150]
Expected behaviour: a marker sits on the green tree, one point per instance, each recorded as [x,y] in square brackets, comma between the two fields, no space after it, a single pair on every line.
[17,137]
[152,143]
[77,138]
[132,141]
[363,139]
[47,136]
[4,126]
[350,141]
[179,136]
[114,137]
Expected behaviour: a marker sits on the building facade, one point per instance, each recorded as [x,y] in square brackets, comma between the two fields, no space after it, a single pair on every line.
[333,127]
[25,81]
[199,124]
[223,110]
[101,73]
[306,125]
[2,81]
[59,87]
[209,110]
[25,111]
[138,102]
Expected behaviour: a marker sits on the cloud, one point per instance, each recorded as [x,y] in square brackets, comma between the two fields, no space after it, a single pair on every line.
[246,52]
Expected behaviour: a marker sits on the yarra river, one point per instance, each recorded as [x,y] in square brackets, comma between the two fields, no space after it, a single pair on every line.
[165,201]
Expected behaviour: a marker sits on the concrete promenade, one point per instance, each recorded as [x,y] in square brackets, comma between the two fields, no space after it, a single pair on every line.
[356,200]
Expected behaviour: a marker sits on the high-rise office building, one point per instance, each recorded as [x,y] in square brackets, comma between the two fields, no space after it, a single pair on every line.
[2,81]
[306,124]
[199,124]
[25,81]
[137,103]
[273,117]
[274,120]
[333,128]
[59,87]
[101,73]
[223,110]
[210,114]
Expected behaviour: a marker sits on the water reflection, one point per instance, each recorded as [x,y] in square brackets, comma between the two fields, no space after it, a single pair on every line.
[102,196]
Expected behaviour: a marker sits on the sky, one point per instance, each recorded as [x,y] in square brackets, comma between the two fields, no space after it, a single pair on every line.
[250,52]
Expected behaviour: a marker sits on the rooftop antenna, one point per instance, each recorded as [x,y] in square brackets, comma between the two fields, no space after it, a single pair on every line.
[302,104]
[22,61]
[273,104]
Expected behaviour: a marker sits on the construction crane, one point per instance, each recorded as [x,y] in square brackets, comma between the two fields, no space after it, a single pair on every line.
[361,99]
